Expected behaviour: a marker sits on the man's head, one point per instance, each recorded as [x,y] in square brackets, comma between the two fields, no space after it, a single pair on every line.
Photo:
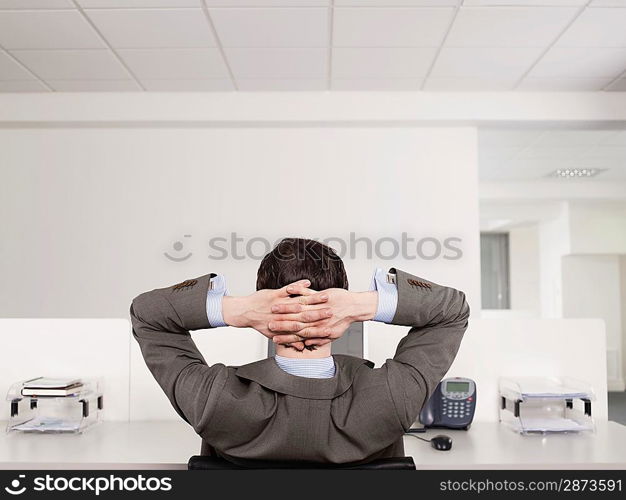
[294,259]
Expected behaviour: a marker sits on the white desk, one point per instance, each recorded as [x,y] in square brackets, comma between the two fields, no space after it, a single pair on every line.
[168,445]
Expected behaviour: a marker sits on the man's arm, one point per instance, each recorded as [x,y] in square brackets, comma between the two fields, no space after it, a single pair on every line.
[163,318]
[438,317]
[161,321]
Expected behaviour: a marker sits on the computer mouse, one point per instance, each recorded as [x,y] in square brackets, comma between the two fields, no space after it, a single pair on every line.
[441,442]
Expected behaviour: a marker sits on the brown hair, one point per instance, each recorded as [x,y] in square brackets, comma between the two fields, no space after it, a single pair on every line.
[294,259]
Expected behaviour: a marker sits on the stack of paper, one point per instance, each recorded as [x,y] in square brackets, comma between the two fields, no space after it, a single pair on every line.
[548,388]
[43,386]
[47,424]
[552,425]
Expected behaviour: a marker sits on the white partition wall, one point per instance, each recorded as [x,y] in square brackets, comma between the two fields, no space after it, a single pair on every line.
[493,348]
[32,348]
[230,346]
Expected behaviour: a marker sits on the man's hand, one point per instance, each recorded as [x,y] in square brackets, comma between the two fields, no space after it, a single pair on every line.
[256,310]
[346,308]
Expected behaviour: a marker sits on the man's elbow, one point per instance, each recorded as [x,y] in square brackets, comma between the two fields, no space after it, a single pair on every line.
[464,310]
[137,306]
[458,310]
[145,308]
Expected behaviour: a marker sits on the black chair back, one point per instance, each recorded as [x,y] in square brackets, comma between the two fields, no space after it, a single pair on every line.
[201,462]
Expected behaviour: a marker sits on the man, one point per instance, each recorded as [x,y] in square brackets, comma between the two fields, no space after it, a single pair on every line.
[304,404]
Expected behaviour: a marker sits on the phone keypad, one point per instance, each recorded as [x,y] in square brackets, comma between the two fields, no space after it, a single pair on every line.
[456,409]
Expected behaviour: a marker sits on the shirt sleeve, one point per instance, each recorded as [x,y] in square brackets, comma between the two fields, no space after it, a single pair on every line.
[214,297]
[385,284]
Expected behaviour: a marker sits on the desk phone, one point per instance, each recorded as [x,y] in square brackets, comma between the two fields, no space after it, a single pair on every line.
[452,405]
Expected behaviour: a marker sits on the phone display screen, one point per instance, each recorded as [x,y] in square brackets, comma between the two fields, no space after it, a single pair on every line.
[457,387]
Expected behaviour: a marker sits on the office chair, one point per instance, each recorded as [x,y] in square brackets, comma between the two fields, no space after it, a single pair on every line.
[202,462]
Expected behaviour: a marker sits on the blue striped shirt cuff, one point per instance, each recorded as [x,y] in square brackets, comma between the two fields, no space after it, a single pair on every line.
[387,296]
[214,297]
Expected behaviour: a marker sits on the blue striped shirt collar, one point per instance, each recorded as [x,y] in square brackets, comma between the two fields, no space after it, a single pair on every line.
[309,368]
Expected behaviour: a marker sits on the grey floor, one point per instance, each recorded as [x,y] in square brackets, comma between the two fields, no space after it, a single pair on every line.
[617,407]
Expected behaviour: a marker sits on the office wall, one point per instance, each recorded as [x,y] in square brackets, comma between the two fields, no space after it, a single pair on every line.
[524,269]
[554,243]
[598,227]
[591,289]
[622,280]
[88,213]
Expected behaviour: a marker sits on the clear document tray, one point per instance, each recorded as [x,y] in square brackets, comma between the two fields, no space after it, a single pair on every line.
[546,405]
[71,413]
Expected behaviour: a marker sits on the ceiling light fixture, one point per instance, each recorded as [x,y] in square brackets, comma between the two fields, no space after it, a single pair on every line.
[575,173]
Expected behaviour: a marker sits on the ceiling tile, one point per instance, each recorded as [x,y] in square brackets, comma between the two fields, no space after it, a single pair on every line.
[532,171]
[470,84]
[530,165]
[213,84]
[11,70]
[397,3]
[153,28]
[571,152]
[508,26]
[36,4]
[490,138]
[46,29]
[367,84]
[596,28]
[185,64]
[526,3]
[554,163]
[581,63]
[498,153]
[93,85]
[276,27]
[612,153]
[278,63]
[574,138]
[113,4]
[282,84]
[618,138]
[506,173]
[22,86]
[608,3]
[268,3]
[618,86]
[394,27]
[381,62]
[563,84]
[73,64]
[492,62]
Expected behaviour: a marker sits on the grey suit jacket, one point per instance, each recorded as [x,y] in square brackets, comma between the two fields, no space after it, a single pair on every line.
[258,411]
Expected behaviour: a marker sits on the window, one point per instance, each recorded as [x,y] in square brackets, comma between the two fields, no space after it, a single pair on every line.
[494,270]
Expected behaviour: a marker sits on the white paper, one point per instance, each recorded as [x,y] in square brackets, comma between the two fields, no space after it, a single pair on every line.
[552,424]
[547,388]
[47,424]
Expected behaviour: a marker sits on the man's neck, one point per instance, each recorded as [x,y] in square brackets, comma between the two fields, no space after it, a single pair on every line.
[290,352]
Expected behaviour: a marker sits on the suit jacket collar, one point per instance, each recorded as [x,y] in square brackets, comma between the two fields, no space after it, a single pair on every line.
[268,374]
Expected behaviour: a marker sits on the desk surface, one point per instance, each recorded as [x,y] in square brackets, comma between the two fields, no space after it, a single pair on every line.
[152,445]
